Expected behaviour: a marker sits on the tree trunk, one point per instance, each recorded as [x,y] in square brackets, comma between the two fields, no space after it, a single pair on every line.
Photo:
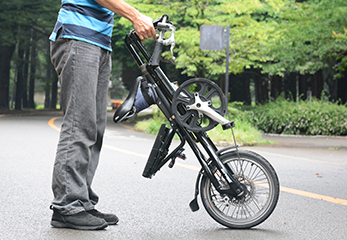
[317,84]
[303,86]
[276,87]
[26,75]
[47,99]
[289,86]
[261,90]
[32,71]
[342,88]
[246,91]
[6,53]
[20,78]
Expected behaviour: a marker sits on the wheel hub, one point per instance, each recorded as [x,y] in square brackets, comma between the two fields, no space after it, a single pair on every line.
[246,197]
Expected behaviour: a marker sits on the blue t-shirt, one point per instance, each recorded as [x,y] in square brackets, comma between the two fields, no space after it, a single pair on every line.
[85,20]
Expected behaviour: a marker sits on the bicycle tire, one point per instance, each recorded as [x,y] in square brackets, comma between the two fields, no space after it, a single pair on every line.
[261,180]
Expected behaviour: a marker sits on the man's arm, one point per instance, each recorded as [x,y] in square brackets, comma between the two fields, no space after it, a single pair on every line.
[142,24]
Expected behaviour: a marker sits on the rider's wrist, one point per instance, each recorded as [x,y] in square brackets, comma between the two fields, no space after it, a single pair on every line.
[134,16]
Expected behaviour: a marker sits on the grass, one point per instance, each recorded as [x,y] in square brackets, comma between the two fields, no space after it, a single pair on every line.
[149,126]
[41,107]
[245,133]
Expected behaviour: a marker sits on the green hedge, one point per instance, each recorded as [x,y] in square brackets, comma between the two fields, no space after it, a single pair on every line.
[314,117]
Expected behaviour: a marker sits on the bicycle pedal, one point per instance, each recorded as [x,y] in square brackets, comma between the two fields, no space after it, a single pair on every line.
[182,156]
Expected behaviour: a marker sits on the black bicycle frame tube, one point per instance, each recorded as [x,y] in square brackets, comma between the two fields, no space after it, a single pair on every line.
[225,172]
[165,94]
[132,41]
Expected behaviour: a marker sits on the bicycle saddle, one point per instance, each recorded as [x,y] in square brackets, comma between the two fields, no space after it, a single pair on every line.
[127,110]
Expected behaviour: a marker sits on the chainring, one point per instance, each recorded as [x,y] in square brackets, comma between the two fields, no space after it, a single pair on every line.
[185,95]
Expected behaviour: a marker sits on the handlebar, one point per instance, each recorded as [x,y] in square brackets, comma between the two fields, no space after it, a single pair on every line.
[163,25]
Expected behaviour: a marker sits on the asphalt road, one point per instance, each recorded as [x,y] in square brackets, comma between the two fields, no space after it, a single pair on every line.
[312,173]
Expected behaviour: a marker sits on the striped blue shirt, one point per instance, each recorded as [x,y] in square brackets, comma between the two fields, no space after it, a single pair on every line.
[85,20]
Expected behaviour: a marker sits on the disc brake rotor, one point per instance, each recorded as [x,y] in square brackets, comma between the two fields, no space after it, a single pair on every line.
[206,92]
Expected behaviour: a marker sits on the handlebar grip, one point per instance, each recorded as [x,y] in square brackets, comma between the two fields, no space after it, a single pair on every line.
[155,58]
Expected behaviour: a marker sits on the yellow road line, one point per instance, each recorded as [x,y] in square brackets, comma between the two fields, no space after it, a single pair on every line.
[314,195]
[283,189]
[51,124]
[124,151]
[302,158]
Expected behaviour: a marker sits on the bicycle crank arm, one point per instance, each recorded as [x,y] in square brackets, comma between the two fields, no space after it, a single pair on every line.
[204,108]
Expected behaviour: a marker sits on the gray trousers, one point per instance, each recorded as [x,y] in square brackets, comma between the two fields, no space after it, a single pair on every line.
[84,72]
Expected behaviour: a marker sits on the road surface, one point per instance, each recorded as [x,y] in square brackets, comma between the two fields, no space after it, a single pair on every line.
[312,173]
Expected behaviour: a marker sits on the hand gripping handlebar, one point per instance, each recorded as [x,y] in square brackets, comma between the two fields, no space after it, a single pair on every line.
[162,25]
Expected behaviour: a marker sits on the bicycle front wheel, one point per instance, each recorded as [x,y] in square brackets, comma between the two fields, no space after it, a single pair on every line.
[257,177]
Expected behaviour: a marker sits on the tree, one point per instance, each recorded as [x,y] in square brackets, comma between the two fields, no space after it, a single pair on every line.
[20,21]
[311,40]
[7,47]
[276,46]
[249,33]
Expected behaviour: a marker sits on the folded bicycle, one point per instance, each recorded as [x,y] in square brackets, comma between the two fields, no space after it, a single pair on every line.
[238,188]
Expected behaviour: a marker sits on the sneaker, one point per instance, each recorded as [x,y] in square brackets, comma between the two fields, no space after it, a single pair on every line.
[111,219]
[80,221]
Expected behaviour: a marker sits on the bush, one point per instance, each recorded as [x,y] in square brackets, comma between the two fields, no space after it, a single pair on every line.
[314,117]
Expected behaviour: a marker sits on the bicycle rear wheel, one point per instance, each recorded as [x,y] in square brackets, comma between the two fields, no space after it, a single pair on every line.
[260,180]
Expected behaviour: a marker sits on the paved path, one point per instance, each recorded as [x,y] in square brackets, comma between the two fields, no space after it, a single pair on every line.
[312,172]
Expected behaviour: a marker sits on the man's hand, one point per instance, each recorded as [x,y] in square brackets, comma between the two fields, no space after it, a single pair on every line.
[143,26]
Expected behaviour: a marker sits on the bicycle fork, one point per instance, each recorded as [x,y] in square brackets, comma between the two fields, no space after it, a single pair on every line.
[226,183]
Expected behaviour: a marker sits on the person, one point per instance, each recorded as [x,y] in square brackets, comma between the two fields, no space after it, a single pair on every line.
[80,53]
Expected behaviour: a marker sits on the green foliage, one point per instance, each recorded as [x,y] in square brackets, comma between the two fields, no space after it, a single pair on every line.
[245,132]
[308,35]
[277,36]
[250,31]
[152,125]
[341,57]
[314,117]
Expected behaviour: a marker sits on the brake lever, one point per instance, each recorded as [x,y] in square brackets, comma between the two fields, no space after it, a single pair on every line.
[171,40]
[171,50]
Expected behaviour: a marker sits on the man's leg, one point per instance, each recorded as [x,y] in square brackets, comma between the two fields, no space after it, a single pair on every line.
[101,119]
[79,80]
[78,135]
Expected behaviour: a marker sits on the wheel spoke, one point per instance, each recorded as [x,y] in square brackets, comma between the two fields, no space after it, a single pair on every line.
[258,202]
[211,92]
[202,91]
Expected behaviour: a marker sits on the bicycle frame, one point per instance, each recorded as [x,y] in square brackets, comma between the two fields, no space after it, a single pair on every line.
[165,92]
